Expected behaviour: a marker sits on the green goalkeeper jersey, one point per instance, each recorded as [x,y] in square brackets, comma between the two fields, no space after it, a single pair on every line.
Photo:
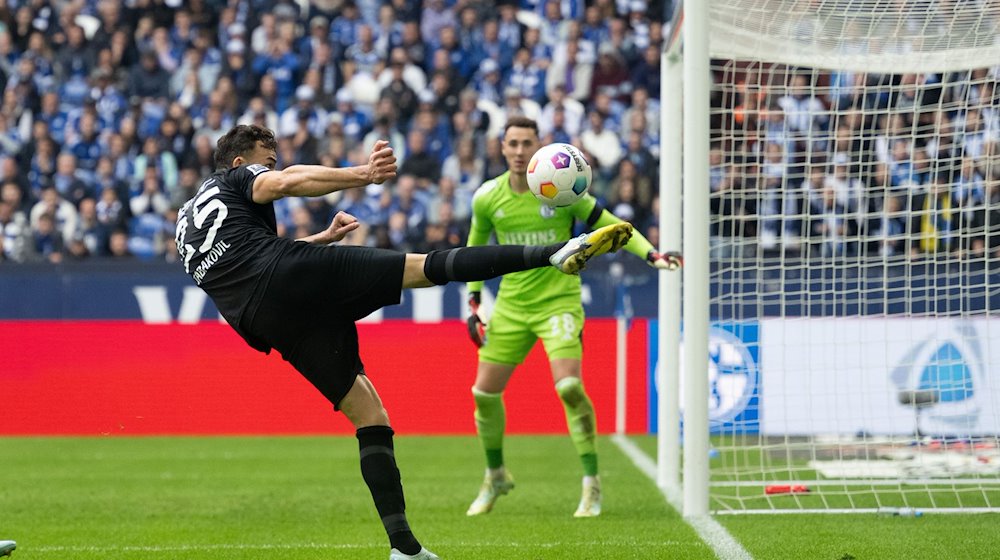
[521,219]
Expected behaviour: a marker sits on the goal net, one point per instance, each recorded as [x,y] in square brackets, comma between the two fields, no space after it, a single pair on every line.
[855,244]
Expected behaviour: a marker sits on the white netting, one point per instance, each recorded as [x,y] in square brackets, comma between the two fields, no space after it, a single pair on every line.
[855,241]
[863,35]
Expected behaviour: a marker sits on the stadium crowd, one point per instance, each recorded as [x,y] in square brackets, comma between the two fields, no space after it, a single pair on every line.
[111,111]
[834,164]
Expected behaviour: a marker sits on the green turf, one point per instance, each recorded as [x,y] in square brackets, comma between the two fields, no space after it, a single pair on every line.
[303,498]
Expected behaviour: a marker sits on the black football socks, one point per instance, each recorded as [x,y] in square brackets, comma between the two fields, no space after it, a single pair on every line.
[468,264]
[378,468]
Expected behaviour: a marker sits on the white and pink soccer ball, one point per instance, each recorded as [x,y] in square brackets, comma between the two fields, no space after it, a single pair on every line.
[559,175]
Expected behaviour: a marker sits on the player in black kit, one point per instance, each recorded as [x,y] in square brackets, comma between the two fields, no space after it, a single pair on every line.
[302,297]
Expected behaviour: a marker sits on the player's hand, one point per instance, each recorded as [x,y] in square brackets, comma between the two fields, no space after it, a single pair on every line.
[476,326]
[342,224]
[671,260]
[381,163]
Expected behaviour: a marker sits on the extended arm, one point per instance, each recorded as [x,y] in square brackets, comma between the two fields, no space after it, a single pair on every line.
[318,180]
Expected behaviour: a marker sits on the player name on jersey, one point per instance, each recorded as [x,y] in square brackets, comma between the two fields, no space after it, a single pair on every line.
[543,237]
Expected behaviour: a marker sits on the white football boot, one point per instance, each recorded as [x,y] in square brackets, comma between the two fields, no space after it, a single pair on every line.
[424,554]
[493,487]
[590,500]
[6,547]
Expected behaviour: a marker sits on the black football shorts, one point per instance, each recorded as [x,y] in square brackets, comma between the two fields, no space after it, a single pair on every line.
[309,307]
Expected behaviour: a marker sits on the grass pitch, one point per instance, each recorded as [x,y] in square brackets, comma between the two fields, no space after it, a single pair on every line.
[303,498]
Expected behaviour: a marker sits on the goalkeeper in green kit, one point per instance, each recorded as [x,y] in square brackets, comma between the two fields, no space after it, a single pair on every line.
[531,305]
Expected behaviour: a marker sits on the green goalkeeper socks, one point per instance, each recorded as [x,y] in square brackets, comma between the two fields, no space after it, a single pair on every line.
[581,421]
[491,420]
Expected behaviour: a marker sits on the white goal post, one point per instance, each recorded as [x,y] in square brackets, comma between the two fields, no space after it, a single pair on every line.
[841,231]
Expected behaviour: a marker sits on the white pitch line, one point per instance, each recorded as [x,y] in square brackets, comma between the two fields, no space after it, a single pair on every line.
[709,530]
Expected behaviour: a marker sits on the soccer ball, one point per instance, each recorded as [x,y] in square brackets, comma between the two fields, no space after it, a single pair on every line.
[559,175]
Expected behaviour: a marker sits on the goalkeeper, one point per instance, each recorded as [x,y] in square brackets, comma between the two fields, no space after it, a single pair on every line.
[531,305]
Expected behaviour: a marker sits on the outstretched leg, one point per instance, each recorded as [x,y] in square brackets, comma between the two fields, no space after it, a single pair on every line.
[468,264]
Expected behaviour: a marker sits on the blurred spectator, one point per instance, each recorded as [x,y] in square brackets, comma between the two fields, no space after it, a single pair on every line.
[495,162]
[831,228]
[363,53]
[399,93]
[604,144]
[514,104]
[411,43]
[281,64]
[67,179]
[488,83]
[345,27]
[846,188]
[356,122]
[458,200]
[63,214]
[150,198]
[508,28]
[47,242]
[624,204]
[888,228]
[15,233]
[91,236]
[433,19]
[305,108]
[463,167]
[646,74]
[407,200]
[388,30]
[595,28]
[162,163]
[935,217]
[649,108]
[527,77]
[573,74]
[149,79]
[118,245]
[804,112]
[259,112]
[10,170]
[611,75]
[419,162]
[574,112]
[541,52]
[412,74]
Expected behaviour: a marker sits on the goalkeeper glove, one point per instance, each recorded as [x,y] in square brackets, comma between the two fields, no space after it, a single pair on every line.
[671,260]
[476,326]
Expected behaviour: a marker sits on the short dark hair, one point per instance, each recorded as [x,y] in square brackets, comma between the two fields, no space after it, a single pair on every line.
[240,141]
[520,122]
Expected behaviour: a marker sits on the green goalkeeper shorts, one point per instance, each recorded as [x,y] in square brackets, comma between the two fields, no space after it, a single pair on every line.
[510,334]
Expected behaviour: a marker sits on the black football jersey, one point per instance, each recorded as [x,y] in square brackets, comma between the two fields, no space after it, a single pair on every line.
[229,244]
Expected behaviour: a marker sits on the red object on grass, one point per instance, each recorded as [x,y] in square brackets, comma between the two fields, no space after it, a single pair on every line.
[786,489]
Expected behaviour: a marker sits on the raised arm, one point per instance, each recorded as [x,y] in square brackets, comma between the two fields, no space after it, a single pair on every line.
[318,180]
